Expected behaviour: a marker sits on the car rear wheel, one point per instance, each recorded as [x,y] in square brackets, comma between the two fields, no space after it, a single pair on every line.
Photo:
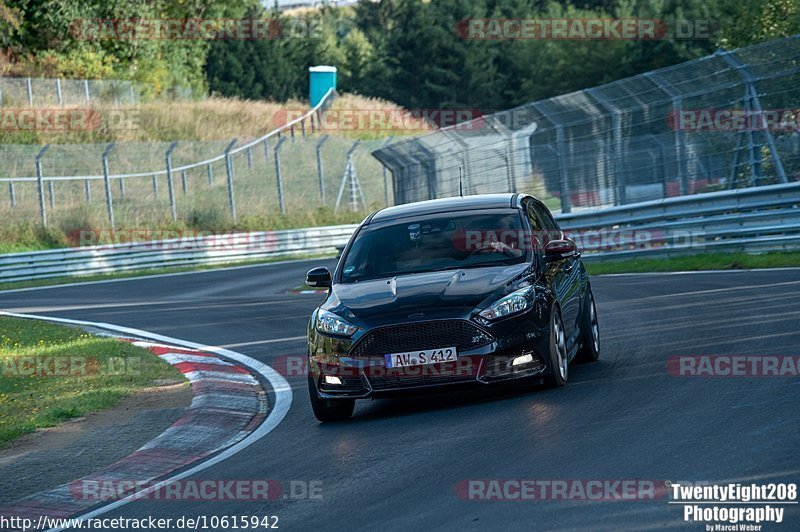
[590,332]
[329,409]
[559,361]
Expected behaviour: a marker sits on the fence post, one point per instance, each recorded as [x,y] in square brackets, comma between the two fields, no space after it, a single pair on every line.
[121,188]
[59,96]
[183,181]
[210,173]
[170,185]
[52,192]
[511,164]
[278,175]
[40,183]
[87,190]
[266,149]
[155,186]
[86,90]
[12,194]
[563,185]
[107,179]
[466,160]
[616,126]
[320,173]
[229,170]
[749,79]
[30,92]
[303,128]
[349,178]
[679,138]
[249,158]
[386,175]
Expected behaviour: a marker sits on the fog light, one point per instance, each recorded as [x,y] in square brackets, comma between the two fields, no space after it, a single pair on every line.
[330,379]
[524,359]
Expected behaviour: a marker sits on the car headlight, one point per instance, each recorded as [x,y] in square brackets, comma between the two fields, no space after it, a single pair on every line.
[511,304]
[330,323]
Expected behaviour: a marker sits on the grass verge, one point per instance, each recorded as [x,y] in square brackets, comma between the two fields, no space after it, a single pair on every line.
[704,261]
[52,373]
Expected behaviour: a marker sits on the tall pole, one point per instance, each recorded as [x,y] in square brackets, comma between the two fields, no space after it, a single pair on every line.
[40,183]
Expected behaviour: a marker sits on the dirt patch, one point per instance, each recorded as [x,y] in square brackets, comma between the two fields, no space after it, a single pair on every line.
[54,456]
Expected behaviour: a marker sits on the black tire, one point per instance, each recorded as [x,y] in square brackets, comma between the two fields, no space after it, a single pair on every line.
[559,365]
[329,409]
[590,332]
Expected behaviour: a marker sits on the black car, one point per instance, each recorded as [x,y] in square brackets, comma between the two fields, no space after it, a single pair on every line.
[467,290]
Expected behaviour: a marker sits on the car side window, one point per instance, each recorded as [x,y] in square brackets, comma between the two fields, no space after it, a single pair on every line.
[550,229]
[536,226]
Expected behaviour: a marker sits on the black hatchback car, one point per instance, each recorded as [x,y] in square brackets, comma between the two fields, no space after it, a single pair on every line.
[467,290]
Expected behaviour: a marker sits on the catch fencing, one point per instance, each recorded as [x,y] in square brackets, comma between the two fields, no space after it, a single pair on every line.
[50,92]
[294,168]
[752,219]
[61,92]
[726,121]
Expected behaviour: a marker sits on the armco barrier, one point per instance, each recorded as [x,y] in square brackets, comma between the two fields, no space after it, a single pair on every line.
[753,219]
[217,249]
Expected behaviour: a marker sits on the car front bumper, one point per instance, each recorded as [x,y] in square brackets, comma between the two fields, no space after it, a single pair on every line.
[524,335]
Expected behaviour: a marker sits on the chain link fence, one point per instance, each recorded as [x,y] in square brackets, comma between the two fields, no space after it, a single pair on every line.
[293,170]
[57,92]
[46,92]
[725,121]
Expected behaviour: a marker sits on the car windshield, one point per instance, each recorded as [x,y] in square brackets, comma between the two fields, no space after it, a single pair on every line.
[436,242]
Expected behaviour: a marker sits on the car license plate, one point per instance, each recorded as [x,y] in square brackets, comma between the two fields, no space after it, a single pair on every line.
[417,358]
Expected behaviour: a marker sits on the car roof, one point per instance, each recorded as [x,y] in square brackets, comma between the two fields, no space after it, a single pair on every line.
[454,204]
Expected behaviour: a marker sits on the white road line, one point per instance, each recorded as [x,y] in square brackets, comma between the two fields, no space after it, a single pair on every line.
[692,272]
[271,341]
[281,388]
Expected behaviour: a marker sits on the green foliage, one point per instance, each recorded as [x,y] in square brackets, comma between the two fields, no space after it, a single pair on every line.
[407,51]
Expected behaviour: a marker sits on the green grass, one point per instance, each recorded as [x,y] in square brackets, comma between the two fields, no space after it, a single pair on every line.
[705,261]
[28,235]
[153,271]
[78,373]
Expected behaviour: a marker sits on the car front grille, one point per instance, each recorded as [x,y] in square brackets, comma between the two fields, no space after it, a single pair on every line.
[391,382]
[460,334]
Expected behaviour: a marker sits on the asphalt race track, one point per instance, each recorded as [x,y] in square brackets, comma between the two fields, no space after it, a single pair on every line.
[396,464]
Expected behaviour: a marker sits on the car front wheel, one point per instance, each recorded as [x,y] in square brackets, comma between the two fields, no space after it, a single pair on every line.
[559,361]
[590,332]
[329,409]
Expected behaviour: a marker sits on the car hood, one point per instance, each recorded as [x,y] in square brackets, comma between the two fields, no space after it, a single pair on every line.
[448,293]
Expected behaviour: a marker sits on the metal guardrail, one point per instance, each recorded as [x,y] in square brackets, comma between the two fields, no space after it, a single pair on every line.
[177,252]
[754,219]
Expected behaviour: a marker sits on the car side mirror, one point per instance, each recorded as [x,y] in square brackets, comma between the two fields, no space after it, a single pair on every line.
[560,249]
[319,278]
